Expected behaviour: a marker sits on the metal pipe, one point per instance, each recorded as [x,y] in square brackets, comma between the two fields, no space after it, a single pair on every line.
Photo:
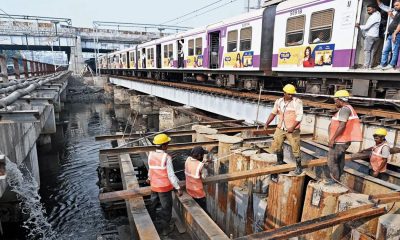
[330,96]
[4,102]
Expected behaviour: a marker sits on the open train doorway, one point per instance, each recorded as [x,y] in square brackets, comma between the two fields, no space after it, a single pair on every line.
[181,56]
[158,55]
[214,49]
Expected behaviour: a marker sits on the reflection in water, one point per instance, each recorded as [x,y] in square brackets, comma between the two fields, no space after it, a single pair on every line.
[68,188]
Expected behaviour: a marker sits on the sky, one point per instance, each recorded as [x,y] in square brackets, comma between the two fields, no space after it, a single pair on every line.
[84,12]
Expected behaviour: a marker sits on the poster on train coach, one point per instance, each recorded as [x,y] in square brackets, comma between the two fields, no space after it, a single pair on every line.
[306,56]
[238,59]
[194,61]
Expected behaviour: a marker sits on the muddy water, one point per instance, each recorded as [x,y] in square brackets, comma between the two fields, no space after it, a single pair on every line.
[68,172]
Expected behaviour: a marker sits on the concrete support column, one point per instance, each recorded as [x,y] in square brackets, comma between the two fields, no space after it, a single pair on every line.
[25,65]
[121,96]
[361,229]
[44,142]
[143,104]
[321,200]
[3,66]
[225,147]
[16,68]
[389,227]
[170,117]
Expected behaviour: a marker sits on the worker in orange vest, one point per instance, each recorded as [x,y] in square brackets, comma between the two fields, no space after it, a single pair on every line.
[195,172]
[379,153]
[162,181]
[344,129]
[290,112]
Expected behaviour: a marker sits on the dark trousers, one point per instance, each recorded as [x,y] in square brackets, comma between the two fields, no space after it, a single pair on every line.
[165,199]
[336,161]
[202,202]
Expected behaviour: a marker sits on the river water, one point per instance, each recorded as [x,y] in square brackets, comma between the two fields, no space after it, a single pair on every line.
[68,172]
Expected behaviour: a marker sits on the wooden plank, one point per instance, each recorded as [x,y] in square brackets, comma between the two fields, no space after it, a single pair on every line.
[198,223]
[118,195]
[137,212]
[316,224]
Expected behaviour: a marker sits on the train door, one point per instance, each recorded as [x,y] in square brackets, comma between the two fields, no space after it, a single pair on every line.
[214,49]
[180,53]
[158,55]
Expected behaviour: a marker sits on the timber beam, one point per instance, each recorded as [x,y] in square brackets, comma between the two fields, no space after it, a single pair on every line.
[144,191]
[316,224]
[24,116]
[222,130]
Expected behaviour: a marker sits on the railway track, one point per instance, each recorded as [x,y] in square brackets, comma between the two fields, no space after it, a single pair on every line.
[264,98]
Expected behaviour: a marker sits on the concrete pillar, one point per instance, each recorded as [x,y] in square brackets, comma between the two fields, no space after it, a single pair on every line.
[225,146]
[76,63]
[321,200]
[50,125]
[170,118]
[143,104]
[16,68]
[285,199]
[121,96]
[388,227]
[44,142]
[25,65]
[362,229]
[3,66]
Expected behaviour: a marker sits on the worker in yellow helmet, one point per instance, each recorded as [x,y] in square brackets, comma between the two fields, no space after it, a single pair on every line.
[344,129]
[162,181]
[290,113]
[379,153]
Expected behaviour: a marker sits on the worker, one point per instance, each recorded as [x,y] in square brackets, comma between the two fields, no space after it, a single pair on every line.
[379,153]
[162,181]
[290,113]
[195,172]
[344,129]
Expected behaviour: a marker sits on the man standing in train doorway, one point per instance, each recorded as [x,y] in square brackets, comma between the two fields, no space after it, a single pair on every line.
[290,113]
[344,129]
[162,181]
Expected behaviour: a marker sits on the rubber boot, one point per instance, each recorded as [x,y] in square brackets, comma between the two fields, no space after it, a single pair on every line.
[298,169]
[279,157]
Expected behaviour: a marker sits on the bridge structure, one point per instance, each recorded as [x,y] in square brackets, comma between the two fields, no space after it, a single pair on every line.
[36,33]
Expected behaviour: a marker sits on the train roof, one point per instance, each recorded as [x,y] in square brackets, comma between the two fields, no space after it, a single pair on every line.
[294,4]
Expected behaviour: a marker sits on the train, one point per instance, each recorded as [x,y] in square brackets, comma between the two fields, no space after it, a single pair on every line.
[311,43]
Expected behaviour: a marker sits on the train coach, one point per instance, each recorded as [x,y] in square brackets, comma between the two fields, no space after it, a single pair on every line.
[313,43]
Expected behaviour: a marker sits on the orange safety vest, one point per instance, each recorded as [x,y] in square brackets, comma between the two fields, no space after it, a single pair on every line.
[194,185]
[159,181]
[352,132]
[376,158]
[288,114]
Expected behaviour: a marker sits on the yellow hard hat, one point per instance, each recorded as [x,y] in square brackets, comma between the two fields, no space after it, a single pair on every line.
[289,88]
[380,132]
[342,94]
[161,139]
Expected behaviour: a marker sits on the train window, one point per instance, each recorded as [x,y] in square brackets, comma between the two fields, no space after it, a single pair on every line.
[321,26]
[131,57]
[191,47]
[245,39]
[295,30]
[149,53]
[199,46]
[170,51]
[232,41]
[165,51]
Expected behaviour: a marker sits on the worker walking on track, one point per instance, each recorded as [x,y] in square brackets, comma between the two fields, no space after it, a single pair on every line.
[379,153]
[162,181]
[344,129]
[195,172]
[290,113]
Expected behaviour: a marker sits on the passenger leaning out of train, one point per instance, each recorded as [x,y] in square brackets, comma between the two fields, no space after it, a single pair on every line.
[162,181]
[344,129]
[379,153]
[370,33]
[195,172]
[392,43]
[290,113]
